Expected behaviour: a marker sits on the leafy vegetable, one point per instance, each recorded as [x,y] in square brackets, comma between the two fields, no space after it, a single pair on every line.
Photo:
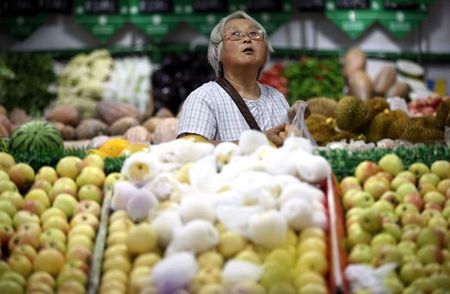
[313,77]
[28,89]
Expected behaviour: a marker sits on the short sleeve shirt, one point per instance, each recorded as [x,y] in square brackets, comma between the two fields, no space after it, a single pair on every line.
[210,112]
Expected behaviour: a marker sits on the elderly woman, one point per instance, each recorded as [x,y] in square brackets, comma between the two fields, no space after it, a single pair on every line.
[221,110]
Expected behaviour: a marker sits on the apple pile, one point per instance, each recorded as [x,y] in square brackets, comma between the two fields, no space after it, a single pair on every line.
[400,215]
[48,224]
[192,217]
[424,107]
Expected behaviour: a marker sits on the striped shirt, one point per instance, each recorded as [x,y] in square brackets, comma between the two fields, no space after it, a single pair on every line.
[210,112]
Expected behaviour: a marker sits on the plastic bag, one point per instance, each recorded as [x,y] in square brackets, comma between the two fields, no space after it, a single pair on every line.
[363,277]
[298,127]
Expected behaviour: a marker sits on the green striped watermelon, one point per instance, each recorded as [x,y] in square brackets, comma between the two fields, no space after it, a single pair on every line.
[36,137]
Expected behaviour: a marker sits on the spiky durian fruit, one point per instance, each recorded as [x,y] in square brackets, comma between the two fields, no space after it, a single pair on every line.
[351,114]
[321,128]
[378,127]
[322,105]
[399,120]
[376,105]
[443,114]
[417,133]
[428,121]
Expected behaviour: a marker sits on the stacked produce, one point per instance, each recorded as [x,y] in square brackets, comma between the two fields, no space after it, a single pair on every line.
[81,83]
[372,120]
[198,218]
[25,81]
[179,75]
[129,83]
[426,106]
[314,77]
[361,86]
[399,214]
[274,77]
[48,220]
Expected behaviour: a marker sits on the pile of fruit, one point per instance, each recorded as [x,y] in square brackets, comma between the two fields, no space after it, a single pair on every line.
[48,220]
[424,107]
[199,218]
[399,214]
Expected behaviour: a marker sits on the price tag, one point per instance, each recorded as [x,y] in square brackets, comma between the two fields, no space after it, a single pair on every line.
[310,5]
[155,6]
[210,5]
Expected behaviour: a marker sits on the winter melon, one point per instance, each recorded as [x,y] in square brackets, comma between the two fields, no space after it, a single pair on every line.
[36,137]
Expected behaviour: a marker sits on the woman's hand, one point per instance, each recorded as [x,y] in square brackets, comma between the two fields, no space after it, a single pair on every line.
[292,111]
[273,135]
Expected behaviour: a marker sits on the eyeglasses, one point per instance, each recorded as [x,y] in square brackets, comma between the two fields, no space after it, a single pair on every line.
[238,35]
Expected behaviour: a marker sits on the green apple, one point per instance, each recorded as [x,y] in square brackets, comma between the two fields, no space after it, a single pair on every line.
[432,268]
[441,168]
[3,176]
[23,216]
[440,281]
[393,284]
[90,192]
[411,233]
[415,199]
[14,197]
[113,178]
[42,278]
[408,247]
[398,180]
[376,187]
[49,260]
[382,239]
[406,188]
[356,235]
[393,229]
[347,198]
[91,175]
[53,234]
[360,253]
[362,199]
[5,219]
[429,178]
[6,233]
[413,218]
[94,160]
[6,161]
[15,277]
[22,175]
[38,195]
[313,261]
[349,183]
[52,211]
[8,208]
[403,208]
[387,253]
[7,185]
[366,169]
[419,169]
[66,203]
[434,197]
[42,184]
[383,205]
[20,264]
[430,254]
[431,236]
[409,175]
[411,271]
[391,197]
[391,163]
[63,185]
[437,222]
[10,287]
[69,166]
[443,186]
[47,173]
[370,220]
[56,222]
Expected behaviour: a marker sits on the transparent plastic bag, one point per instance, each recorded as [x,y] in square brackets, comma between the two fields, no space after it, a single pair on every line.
[298,127]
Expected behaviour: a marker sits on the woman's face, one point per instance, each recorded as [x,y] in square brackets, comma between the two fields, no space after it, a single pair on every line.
[246,51]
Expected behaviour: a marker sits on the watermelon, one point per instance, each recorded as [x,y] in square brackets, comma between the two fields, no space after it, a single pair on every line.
[36,137]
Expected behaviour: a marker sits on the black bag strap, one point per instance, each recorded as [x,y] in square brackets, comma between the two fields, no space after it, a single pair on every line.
[240,103]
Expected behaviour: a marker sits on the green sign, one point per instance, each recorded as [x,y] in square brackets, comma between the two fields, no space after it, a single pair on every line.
[22,26]
[103,18]
[397,16]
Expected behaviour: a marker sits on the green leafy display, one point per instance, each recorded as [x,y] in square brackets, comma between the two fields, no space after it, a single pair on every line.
[27,87]
[344,162]
[314,77]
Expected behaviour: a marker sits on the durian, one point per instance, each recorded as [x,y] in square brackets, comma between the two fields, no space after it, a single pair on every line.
[378,127]
[323,106]
[443,114]
[399,120]
[419,134]
[376,105]
[351,114]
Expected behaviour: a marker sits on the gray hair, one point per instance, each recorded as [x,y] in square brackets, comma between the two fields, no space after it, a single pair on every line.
[215,46]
